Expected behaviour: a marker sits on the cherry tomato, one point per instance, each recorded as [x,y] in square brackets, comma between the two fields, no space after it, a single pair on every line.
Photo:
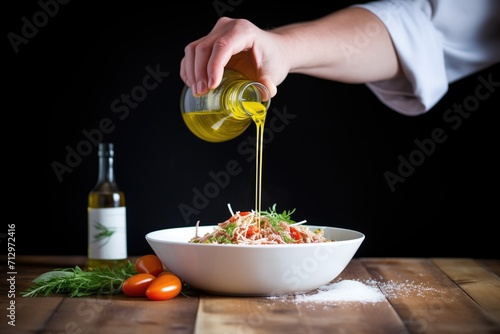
[295,233]
[165,286]
[237,215]
[149,264]
[251,231]
[136,285]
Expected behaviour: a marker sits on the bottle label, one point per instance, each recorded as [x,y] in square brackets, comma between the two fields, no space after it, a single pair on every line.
[107,233]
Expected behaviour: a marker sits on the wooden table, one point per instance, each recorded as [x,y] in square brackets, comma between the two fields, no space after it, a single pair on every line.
[455,295]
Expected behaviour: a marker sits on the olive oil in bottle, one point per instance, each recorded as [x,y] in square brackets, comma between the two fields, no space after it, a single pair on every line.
[107,223]
[226,111]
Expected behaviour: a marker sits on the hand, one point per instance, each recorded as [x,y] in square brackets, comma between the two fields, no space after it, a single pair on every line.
[236,44]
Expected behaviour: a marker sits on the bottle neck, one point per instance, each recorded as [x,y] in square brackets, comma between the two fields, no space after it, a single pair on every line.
[248,99]
[106,163]
[106,169]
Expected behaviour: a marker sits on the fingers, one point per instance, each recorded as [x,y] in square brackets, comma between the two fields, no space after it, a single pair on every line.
[193,55]
[184,71]
[202,66]
[194,65]
[222,52]
[198,61]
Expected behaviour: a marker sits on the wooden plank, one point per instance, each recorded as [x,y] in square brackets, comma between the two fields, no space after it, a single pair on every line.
[120,314]
[224,314]
[491,265]
[480,284]
[221,314]
[351,316]
[100,314]
[420,298]
[29,316]
[426,299]
[51,261]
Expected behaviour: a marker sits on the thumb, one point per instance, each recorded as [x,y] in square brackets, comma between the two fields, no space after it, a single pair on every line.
[269,85]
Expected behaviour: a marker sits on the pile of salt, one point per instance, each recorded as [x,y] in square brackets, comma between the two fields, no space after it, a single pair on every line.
[369,291]
[344,291]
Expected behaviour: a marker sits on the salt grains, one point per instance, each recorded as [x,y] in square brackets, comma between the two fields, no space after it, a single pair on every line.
[344,291]
[369,291]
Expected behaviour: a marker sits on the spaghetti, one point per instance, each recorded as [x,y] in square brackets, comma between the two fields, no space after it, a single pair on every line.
[266,228]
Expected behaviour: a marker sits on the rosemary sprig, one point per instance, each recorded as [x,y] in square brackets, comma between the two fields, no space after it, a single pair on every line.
[76,282]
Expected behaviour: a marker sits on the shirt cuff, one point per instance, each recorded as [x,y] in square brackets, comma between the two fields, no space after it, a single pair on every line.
[420,52]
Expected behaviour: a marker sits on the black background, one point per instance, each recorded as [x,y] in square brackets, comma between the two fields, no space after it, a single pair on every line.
[328,162]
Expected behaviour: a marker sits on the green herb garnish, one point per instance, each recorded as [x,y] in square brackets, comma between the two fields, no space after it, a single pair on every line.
[230,228]
[275,217]
[76,282]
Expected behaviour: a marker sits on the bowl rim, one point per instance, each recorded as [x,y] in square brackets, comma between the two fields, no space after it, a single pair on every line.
[150,237]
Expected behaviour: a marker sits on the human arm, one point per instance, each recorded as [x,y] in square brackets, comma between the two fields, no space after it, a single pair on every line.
[350,45]
[406,52]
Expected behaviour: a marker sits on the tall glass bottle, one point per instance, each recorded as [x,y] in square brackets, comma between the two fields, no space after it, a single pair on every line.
[226,111]
[107,223]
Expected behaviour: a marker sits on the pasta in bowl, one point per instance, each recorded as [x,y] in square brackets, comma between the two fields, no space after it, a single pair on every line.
[262,263]
[265,228]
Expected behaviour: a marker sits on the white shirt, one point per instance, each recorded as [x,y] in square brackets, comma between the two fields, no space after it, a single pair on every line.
[437,42]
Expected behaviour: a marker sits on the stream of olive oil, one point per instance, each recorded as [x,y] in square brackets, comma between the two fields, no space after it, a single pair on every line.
[258,112]
[212,127]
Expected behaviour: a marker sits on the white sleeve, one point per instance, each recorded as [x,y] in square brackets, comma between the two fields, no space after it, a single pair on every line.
[437,42]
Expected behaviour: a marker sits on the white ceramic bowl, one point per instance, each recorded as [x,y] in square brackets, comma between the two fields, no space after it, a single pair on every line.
[254,270]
